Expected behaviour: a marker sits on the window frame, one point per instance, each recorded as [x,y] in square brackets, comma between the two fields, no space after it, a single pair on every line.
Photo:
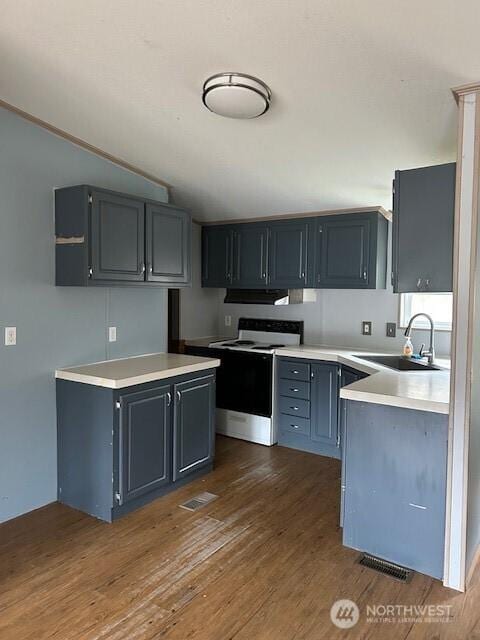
[421,324]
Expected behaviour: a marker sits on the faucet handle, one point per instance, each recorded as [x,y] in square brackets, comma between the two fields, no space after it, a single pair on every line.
[422,350]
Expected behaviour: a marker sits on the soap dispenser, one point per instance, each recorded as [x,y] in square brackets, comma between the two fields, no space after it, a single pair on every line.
[408,348]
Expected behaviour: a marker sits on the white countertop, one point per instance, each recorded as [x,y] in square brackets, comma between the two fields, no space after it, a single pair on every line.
[421,390]
[126,372]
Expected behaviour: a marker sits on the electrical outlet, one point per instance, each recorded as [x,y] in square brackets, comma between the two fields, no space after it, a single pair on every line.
[391,329]
[112,334]
[367,328]
[228,321]
[10,336]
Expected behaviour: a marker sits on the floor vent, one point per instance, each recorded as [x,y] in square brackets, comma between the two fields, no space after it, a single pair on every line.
[198,501]
[387,568]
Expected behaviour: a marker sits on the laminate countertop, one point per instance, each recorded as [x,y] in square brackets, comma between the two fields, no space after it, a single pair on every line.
[126,372]
[420,390]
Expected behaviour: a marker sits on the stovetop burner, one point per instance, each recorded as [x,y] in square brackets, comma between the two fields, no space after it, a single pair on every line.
[269,346]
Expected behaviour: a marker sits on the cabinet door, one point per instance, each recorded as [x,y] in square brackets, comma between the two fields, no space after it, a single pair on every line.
[168,241]
[217,256]
[288,249]
[193,426]
[424,207]
[343,252]
[348,377]
[250,256]
[117,237]
[324,404]
[145,428]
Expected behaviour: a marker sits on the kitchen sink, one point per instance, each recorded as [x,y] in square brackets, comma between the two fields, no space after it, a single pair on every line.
[401,363]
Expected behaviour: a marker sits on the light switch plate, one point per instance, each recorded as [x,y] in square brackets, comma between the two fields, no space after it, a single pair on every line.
[391,329]
[228,321]
[10,336]
[112,334]
[367,328]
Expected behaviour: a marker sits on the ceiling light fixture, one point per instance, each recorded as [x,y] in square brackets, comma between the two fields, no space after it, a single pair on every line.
[236,95]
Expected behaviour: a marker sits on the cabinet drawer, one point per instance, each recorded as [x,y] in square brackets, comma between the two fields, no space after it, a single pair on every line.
[294,424]
[294,407]
[294,388]
[294,370]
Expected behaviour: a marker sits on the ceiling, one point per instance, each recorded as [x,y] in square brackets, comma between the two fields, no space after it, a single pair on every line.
[360,88]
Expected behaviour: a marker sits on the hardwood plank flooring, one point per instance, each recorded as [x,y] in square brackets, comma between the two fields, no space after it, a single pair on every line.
[264,561]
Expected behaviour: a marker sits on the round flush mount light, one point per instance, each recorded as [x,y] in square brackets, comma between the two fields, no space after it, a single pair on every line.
[236,95]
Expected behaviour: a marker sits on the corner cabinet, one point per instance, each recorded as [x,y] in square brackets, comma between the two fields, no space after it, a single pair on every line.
[423,215]
[342,251]
[119,449]
[108,238]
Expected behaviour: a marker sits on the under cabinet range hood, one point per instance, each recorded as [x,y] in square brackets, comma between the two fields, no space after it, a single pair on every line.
[269,296]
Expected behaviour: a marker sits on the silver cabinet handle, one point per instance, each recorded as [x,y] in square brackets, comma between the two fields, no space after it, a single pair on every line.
[90,272]
[169,398]
[295,371]
[295,426]
[419,284]
[143,267]
[179,396]
[294,408]
[295,390]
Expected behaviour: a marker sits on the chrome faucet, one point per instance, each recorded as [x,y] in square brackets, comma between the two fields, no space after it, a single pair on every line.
[430,354]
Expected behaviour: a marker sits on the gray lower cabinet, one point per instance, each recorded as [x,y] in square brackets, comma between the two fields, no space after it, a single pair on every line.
[119,449]
[306,406]
[144,442]
[193,435]
[423,214]
[395,485]
[105,238]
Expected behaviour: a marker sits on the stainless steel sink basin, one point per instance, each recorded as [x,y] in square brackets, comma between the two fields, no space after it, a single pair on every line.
[401,363]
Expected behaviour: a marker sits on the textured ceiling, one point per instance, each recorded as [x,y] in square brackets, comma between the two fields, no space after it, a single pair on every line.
[360,88]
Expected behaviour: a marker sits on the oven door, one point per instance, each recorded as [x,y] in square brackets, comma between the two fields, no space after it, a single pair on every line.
[244,382]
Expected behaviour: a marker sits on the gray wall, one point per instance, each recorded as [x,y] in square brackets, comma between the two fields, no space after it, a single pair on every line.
[198,307]
[55,326]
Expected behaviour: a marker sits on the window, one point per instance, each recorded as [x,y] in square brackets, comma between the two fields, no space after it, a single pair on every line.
[437,305]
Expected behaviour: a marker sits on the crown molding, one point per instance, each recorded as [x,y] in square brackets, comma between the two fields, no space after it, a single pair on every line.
[465,89]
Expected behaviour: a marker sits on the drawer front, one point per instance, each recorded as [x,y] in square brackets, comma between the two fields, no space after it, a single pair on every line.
[294,424]
[294,370]
[294,388]
[294,407]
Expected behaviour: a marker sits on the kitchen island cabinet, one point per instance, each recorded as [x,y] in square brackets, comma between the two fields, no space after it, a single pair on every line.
[121,443]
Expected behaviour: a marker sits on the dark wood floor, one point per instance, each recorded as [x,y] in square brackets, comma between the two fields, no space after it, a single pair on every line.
[264,561]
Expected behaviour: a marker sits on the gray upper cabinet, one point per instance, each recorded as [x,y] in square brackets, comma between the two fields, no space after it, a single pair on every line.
[344,251]
[424,206]
[118,229]
[250,256]
[289,254]
[217,256]
[145,442]
[193,440]
[351,251]
[168,241]
[107,238]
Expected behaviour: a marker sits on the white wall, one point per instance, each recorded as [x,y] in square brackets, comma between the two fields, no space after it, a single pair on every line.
[198,307]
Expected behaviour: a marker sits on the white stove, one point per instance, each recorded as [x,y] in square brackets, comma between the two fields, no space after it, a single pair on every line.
[263,336]
[246,377]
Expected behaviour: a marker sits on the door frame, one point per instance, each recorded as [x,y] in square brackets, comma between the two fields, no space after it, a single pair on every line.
[463,329]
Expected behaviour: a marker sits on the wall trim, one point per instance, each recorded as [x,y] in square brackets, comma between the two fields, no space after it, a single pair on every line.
[84,145]
[305,214]
[465,89]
